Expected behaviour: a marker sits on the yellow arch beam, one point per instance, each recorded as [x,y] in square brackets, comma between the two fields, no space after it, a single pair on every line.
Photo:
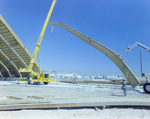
[108,52]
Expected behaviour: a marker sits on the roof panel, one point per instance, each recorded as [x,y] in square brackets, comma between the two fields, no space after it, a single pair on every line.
[4,70]
[10,36]
[9,52]
[11,67]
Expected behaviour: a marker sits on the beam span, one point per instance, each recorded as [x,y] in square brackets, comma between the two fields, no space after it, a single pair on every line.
[1,74]
[8,63]
[11,54]
[108,52]
[7,70]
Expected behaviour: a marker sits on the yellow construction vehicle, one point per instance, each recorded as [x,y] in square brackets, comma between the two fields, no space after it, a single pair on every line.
[38,77]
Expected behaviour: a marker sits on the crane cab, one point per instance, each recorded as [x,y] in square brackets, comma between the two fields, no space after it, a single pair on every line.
[44,78]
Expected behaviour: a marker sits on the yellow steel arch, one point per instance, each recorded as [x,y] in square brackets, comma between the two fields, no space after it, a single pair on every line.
[108,52]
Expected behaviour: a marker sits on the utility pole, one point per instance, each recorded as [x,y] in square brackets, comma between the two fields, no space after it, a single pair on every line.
[142,74]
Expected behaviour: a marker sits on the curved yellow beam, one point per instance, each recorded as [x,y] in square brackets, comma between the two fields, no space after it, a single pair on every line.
[108,52]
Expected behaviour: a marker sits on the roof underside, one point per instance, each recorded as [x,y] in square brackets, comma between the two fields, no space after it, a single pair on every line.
[12,50]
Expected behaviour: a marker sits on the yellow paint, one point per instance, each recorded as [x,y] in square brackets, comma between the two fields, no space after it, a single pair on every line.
[38,76]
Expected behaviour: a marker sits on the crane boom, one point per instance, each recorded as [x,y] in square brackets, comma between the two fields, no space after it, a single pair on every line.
[38,77]
[36,50]
[41,36]
[129,49]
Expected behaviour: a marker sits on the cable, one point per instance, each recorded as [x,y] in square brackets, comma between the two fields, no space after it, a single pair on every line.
[80,16]
[33,42]
[126,57]
[65,9]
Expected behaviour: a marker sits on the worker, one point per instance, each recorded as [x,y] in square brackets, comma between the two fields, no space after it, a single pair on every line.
[29,80]
[146,79]
[124,86]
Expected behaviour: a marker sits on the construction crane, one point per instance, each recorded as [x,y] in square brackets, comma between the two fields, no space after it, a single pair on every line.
[129,49]
[38,77]
[146,86]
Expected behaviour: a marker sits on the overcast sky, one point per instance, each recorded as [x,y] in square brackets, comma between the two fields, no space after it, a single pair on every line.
[114,23]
